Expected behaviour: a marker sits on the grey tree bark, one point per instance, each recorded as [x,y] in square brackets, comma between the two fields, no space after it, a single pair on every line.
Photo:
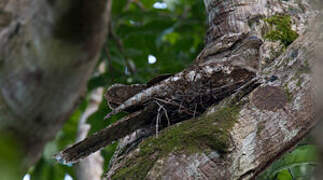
[238,141]
[48,50]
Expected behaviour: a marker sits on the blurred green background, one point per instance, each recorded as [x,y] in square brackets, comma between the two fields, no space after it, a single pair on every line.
[148,38]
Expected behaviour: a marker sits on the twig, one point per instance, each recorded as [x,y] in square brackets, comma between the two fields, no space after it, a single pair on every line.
[174,104]
[166,114]
[157,121]
[165,111]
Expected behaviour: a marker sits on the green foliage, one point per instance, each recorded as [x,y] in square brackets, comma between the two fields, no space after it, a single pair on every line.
[281,29]
[298,164]
[10,158]
[173,35]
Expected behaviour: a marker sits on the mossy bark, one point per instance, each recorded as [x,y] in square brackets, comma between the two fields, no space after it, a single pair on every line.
[231,142]
[193,136]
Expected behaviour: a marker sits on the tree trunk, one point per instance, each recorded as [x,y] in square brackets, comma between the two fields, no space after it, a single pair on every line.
[48,50]
[238,140]
[318,85]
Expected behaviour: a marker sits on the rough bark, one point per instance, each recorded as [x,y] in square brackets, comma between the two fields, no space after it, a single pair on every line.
[237,141]
[48,50]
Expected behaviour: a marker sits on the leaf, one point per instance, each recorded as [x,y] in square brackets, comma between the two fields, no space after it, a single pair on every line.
[284,175]
[302,157]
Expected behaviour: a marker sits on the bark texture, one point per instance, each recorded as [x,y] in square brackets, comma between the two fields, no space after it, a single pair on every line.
[48,50]
[237,141]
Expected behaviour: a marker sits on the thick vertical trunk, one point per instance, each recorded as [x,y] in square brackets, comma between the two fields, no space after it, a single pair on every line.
[318,85]
[48,50]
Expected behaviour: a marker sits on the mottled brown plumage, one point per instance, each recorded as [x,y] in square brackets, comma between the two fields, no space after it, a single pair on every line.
[118,93]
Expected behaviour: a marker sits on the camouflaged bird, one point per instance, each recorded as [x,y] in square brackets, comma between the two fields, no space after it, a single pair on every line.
[170,99]
[119,93]
[245,57]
